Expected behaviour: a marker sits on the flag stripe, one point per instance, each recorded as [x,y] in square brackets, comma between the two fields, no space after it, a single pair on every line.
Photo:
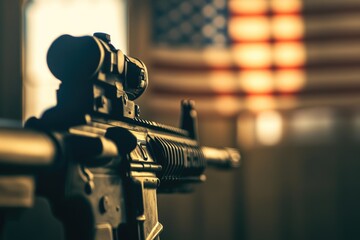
[267,80]
[300,47]
[231,106]
[329,54]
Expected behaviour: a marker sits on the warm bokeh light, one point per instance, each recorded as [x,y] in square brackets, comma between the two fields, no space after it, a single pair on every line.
[287,27]
[254,81]
[267,35]
[248,7]
[223,81]
[254,55]
[291,54]
[287,6]
[227,105]
[260,103]
[45,21]
[289,80]
[269,127]
[249,28]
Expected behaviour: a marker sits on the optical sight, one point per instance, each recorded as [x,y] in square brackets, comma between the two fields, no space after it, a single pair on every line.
[74,60]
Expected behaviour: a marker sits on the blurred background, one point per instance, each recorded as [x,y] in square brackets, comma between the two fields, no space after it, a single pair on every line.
[278,79]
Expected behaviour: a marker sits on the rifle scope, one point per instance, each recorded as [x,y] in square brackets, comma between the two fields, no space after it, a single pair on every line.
[74,60]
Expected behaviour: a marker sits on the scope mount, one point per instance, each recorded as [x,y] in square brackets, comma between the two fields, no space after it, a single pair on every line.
[96,79]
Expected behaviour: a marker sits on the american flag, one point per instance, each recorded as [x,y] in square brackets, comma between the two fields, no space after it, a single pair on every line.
[231,55]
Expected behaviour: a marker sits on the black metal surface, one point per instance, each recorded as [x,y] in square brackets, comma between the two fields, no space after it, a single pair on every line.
[107,164]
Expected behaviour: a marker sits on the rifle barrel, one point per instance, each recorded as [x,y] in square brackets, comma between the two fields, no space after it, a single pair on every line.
[226,158]
[24,149]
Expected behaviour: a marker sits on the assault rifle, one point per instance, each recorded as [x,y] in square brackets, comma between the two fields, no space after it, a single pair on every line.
[98,163]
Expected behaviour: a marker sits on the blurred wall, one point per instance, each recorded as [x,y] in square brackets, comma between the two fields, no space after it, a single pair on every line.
[10,60]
